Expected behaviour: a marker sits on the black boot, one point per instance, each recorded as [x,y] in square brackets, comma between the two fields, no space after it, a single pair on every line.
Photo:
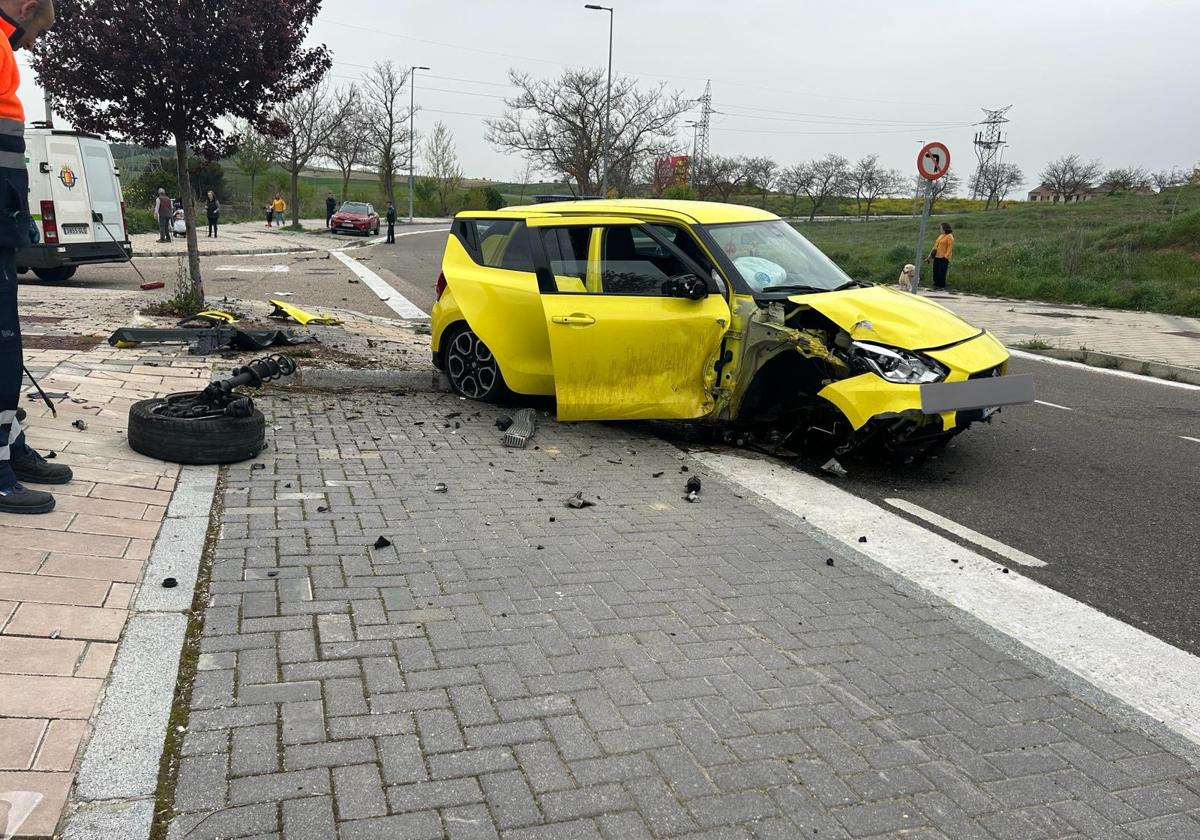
[30,466]
[18,499]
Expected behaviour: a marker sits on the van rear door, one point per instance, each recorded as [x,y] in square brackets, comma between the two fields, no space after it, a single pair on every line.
[103,190]
[68,190]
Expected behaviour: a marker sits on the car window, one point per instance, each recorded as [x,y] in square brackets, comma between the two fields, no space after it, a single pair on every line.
[631,263]
[502,243]
[355,207]
[567,253]
[685,242]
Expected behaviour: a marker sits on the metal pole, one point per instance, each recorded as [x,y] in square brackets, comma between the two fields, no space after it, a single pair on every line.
[921,237]
[608,107]
[412,135]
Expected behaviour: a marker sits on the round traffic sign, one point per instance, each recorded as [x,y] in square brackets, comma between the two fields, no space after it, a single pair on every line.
[933,161]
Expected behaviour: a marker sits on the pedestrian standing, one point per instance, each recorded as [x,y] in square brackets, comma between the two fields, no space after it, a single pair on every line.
[330,208]
[21,22]
[164,211]
[391,220]
[212,209]
[942,253]
[270,213]
[278,206]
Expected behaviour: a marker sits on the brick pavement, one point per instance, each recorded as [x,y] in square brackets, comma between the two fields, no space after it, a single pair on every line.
[509,668]
[255,238]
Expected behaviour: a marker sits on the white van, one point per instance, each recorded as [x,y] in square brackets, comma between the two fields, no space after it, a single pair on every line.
[76,203]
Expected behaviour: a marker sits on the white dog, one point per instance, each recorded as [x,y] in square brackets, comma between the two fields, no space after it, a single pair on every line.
[906,278]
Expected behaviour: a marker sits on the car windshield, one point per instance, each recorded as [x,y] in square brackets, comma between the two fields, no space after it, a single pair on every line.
[354,207]
[773,257]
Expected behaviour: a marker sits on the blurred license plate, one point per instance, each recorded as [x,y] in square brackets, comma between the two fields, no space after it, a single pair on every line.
[348,224]
[75,229]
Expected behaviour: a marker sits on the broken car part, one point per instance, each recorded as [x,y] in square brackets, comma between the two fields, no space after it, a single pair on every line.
[524,423]
[286,310]
[203,341]
[214,426]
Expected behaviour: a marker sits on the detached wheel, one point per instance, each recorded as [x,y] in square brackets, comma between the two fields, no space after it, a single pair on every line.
[210,440]
[472,369]
[58,274]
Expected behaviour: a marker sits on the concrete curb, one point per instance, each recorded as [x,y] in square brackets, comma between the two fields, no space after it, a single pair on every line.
[1096,358]
[349,379]
[118,774]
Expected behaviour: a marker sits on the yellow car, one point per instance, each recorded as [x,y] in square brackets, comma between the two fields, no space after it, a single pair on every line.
[688,310]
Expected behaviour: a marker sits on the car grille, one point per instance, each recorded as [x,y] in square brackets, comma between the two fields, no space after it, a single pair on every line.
[998,370]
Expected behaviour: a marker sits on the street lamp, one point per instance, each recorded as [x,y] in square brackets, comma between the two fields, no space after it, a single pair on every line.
[412,134]
[607,95]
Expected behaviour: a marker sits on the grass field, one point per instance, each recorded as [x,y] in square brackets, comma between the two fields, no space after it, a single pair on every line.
[1126,252]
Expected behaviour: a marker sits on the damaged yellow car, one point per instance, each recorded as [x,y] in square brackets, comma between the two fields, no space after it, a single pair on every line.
[724,314]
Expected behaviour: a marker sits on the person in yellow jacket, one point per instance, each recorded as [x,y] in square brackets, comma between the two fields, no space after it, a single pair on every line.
[278,207]
[942,253]
[21,22]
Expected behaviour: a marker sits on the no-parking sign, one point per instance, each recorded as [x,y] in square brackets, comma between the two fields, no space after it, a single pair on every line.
[933,161]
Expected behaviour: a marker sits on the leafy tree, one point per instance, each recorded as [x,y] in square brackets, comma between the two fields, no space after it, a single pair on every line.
[1070,175]
[558,124]
[156,73]
[492,199]
[441,159]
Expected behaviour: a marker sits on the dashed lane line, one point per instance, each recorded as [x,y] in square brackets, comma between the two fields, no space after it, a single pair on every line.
[1053,405]
[1192,439]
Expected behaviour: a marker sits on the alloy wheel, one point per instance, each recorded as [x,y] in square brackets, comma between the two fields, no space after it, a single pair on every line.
[471,366]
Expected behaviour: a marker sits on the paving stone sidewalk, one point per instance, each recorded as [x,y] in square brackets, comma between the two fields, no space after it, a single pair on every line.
[510,668]
[256,238]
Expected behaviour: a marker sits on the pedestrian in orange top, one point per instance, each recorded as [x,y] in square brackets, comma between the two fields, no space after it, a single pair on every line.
[942,253]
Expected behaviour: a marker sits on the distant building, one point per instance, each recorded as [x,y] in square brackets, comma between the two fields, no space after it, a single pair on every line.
[1044,192]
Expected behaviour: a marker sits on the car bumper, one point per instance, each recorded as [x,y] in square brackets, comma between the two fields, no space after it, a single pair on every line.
[79,253]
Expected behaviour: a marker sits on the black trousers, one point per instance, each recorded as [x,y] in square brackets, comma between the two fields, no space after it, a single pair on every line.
[941,265]
[328,216]
[391,232]
[212,225]
[10,366]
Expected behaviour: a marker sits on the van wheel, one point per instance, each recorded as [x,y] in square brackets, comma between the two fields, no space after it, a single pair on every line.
[471,367]
[59,274]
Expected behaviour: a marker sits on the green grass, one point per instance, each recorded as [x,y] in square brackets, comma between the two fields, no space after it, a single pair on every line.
[1124,252]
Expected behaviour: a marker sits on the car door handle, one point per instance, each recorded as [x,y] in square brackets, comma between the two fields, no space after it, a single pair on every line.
[576,320]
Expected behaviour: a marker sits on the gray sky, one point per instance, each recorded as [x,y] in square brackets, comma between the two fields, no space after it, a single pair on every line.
[1119,81]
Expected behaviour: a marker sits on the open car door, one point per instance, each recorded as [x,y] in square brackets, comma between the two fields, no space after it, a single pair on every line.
[638,335]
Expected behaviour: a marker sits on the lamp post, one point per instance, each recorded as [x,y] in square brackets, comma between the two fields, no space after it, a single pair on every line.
[607,95]
[412,134]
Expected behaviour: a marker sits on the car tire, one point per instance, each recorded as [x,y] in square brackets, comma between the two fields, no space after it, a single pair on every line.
[57,274]
[471,367]
[210,440]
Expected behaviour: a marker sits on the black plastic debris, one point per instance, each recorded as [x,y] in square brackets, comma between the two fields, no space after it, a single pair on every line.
[453,414]
[503,422]
[693,488]
[551,518]
[440,487]
[541,547]
[322,509]
[80,424]
[953,559]
[577,501]
[862,539]
[169,583]
[51,454]
[382,542]
[683,469]
[656,475]
[258,466]
[272,574]
[1004,570]
[828,561]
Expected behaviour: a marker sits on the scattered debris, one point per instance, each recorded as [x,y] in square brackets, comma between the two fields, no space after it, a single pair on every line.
[953,559]
[353,280]
[828,561]
[524,424]
[541,547]
[169,583]
[51,454]
[551,518]
[683,469]
[382,542]
[656,475]
[693,488]
[577,501]
[440,487]
[54,634]
[286,310]
[258,466]
[862,539]
[207,340]
[79,424]
[272,574]
[453,414]
[322,509]
[833,467]
[1004,570]
[208,318]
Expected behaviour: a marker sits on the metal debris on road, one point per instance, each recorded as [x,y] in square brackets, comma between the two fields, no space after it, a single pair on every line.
[834,467]
[382,542]
[656,475]
[79,424]
[503,422]
[693,488]
[577,501]
[828,561]
[440,487]
[523,426]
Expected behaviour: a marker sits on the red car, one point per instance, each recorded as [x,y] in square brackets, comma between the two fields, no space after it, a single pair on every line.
[355,217]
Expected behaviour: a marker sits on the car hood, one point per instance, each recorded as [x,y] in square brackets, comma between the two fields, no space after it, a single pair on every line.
[890,316]
[351,217]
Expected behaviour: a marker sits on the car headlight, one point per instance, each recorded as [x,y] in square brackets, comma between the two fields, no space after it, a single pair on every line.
[896,365]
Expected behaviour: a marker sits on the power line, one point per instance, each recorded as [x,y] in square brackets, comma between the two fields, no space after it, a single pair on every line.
[840,117]
[908,130]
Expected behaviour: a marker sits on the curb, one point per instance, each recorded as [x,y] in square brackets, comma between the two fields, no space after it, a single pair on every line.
[1096,358]
[118,773]
[349,379]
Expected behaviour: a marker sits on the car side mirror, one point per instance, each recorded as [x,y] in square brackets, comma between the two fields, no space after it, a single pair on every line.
[685,286]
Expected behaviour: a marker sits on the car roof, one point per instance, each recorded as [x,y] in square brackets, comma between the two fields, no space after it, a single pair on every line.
[702,212]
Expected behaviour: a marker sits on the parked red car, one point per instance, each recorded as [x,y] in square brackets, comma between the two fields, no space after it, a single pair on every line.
[355,217]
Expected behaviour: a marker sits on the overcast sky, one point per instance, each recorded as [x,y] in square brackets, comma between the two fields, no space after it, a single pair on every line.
[1118,81]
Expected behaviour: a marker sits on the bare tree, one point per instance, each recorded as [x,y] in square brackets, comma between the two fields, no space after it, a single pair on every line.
[948,184]
[311,118]
[830,177]
[1126,179]
[558,124]
[255,155]
[871,181]
[761,172]
[1070,176]
[995,183]
[796,181]
[388,113]
[441,160]
[720,176]
[350,144]
[1167,178]
[526,176]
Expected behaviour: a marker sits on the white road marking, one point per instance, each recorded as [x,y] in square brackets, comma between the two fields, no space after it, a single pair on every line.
[1192,439]
[255,269]
[981,540]
[397,302]
[1053,405]
[1145,672]
[1150,380]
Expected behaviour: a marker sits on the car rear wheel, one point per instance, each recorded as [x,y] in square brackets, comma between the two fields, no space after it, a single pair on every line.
[58,274]
[472,369]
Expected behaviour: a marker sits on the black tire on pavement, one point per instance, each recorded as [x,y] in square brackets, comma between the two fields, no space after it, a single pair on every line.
[212,440]
[57,274]
[471,367]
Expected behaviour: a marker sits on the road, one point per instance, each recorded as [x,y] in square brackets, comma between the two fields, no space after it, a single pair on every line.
[1098,481]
